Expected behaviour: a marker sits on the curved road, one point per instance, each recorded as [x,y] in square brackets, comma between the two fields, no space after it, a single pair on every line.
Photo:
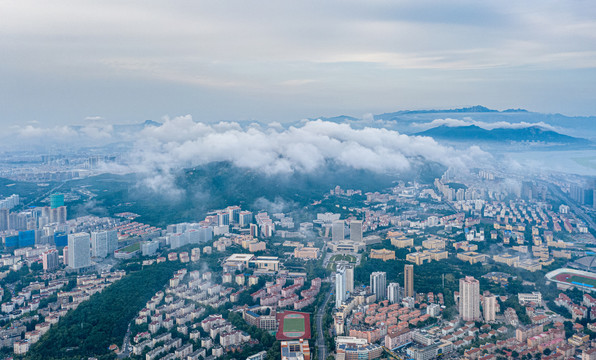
[321,347]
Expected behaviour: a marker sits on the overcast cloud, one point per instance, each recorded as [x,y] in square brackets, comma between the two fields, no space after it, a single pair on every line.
[65,61]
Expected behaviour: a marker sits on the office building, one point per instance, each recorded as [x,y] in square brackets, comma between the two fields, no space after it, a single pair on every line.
[50,260]
[378,284]
[337,230]
[489,308]
[79,250]
[356,230]
[469,299]
[394,293]
[104,243]
[340,287]
[409,280]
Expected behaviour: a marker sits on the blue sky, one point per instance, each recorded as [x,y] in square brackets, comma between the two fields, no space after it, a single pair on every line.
[65,61]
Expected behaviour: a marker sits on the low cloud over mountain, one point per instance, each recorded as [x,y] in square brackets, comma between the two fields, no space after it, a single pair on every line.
[182,143]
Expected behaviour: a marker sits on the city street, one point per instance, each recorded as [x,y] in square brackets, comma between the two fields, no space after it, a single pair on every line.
[320,344]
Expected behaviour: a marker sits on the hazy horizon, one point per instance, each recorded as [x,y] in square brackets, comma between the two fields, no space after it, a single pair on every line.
[125,62]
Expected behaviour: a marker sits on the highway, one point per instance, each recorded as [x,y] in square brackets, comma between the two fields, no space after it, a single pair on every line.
[321,347]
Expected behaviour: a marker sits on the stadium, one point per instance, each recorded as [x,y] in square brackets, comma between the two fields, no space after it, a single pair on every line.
[293,325]
[566,278]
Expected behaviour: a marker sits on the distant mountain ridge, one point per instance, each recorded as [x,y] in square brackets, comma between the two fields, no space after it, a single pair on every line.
[471,109]
[390,115]
[527,134]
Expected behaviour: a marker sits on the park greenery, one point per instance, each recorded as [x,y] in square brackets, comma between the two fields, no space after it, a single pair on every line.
[102,320]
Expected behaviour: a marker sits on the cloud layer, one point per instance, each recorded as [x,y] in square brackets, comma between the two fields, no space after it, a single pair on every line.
[182,143]
[482,124]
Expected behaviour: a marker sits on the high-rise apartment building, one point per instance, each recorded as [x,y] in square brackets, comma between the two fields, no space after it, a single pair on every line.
[50,260]
[245,218]
[469,299]
[223,218]
[349,270]
[356,230]
[489,308]
[4,219]
[340,286]
[79,250]
[349,278]
[337,230]
[394,293]
[234,212]
[409,280]
[103,243]
[378,284]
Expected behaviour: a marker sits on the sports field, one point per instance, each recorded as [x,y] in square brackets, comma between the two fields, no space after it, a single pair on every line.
[582,280]
[293,324]
[570,278]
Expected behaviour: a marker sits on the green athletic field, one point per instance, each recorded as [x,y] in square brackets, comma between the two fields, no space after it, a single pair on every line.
[293,324]
[583,280]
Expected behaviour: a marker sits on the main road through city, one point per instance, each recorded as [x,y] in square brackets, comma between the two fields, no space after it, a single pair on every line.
[321,347]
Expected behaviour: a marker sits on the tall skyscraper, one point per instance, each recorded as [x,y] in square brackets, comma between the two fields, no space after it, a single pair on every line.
[79,250]
[349,278]
[378,284]
[340,286]
[356,230]
[337,231]
[489,308]
[349,274]
[469,299]
[50,260]
[409,280]
[103,243]
[394,293]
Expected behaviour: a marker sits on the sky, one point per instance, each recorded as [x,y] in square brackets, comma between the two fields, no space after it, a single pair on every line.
[74,61]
